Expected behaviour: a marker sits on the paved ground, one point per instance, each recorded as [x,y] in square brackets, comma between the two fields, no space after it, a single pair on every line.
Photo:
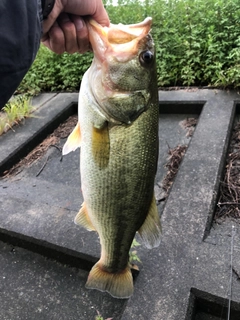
[187,277]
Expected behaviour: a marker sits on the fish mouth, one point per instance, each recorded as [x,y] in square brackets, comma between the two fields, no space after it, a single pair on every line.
[121,41]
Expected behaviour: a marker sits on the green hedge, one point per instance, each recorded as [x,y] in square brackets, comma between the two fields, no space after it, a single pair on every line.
[197,43]
[52,72]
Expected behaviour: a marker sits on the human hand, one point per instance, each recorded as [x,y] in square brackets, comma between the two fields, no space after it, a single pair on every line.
[65,28]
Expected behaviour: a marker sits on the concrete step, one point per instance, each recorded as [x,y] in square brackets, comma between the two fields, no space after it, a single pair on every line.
[191,264]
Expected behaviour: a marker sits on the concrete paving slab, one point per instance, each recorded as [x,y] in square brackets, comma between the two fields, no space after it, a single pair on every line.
[34,287]
[190,259]
[16,144]
[41,99]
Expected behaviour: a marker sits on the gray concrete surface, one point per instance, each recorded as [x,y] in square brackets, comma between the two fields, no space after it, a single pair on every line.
[17,143]
[37,213]
[34,287]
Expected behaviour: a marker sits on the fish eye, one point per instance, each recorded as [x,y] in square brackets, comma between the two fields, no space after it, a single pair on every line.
[146,57]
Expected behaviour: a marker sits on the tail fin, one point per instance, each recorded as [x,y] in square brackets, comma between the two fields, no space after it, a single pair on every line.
[119,285]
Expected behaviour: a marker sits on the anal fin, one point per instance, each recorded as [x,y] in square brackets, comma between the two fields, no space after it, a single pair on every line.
[73,141]
[150,231]
[82,219]
[101,146]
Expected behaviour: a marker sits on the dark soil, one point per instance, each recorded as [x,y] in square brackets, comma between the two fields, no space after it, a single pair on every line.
[176,155]
[174,160]
[229,199]
[52,140]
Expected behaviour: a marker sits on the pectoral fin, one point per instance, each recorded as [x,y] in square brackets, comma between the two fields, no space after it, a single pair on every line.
[101,146]
[73,141]
[150,231]
[82,219]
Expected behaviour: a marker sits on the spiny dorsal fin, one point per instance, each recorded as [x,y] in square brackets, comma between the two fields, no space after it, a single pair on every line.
[73,141]
[150,231]
[101,146]
[82,219]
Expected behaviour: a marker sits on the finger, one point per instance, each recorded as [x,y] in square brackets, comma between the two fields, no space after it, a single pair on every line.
[95,9]
[81,33]
[55,39]
[101,15]
[49,22]
[70,33]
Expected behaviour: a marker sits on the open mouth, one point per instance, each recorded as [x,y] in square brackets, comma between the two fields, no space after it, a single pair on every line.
[120,40]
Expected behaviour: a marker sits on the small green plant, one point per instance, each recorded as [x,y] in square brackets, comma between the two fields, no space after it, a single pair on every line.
[14,112]
[99,317]
[133,257]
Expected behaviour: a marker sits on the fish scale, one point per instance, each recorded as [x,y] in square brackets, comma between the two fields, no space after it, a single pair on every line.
[119,149]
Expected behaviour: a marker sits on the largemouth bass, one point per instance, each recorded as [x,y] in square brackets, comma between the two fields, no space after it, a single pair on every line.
[118,134]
